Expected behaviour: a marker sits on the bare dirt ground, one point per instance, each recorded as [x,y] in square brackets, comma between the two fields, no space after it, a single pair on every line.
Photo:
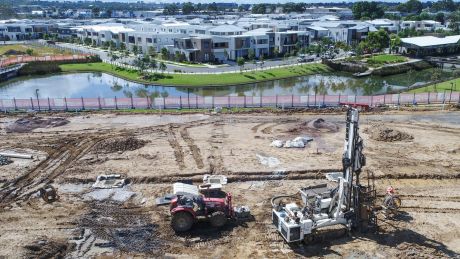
[417,153]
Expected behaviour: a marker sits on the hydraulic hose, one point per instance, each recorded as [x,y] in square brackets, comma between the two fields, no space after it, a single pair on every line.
[281,196]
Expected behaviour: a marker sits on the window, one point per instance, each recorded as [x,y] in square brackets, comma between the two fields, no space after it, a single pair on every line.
[149,40]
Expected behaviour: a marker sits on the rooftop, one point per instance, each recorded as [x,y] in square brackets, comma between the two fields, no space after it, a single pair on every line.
[428,41]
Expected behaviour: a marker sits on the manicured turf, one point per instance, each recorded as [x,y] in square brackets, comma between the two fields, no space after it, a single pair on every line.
[199,80]
[385,59]
[440,87]
[37,50]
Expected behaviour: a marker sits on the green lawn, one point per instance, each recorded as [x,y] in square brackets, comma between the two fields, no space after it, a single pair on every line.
[199,80]
[440,87]
[385,59]
[37,50]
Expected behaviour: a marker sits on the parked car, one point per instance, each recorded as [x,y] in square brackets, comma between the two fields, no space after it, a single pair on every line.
[305,58]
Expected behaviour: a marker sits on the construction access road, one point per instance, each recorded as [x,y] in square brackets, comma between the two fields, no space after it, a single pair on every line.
[418,153]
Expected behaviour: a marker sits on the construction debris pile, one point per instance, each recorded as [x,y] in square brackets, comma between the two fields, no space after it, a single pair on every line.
[383,133]
[120,145]
[5,160]
[28,124]
[299,142]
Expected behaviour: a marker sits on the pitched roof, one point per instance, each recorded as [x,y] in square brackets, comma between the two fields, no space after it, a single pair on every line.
[227,28]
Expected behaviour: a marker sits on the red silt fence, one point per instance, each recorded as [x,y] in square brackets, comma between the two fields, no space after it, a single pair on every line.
[207,102]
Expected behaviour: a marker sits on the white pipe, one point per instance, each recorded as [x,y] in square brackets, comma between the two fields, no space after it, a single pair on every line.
[23,156]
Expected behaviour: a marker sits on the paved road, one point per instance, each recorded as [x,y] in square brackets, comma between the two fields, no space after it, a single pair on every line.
[171,67]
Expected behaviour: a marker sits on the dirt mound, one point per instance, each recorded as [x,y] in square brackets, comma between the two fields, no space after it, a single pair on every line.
[383,133]
[30,123]
[315,125]
[120,145]
[45,248]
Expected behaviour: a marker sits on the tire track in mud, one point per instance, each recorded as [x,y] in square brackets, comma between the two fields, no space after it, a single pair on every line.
[425,197]
[215,159]
[196,153]
[256,128]
[68,152]
[178,152]
[268,130]
[430,209]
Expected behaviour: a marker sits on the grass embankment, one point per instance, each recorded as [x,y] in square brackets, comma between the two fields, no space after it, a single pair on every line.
[21,49]
[199,80]
[440,87]
[383,59]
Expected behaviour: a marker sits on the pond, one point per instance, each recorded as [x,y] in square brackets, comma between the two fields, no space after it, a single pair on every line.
[104,85]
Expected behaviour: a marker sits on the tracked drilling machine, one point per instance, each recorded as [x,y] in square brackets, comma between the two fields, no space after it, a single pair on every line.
[348,203]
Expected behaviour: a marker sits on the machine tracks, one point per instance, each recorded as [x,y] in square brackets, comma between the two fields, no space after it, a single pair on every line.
[69,151]
[178,152]
[191,145]
[215,159]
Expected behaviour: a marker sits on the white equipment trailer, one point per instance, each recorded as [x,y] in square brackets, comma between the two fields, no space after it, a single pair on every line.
[349,203]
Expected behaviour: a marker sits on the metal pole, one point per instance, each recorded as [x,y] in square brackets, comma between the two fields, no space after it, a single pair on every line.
[180,102]
[196,101]
[429,93]
[276,101]
[49,105]
[32,103]
[15,107]
[116,104]
[244,105]
[99,102]
[38,101]
[82,104]
[292,101]
[65,102]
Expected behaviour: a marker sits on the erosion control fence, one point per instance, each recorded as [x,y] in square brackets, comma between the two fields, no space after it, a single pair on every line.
[200,102]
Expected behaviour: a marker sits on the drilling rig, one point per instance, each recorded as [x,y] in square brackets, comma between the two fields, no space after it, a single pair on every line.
[347,203]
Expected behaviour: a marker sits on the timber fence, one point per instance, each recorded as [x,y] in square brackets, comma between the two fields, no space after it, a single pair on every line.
[206,102]
[26,59]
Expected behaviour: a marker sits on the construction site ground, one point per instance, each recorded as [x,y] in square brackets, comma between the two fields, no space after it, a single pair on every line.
[418,153]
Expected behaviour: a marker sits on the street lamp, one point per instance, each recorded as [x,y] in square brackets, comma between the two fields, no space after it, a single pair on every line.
[38,101]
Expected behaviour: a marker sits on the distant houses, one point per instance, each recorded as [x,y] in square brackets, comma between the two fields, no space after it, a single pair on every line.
[207,38]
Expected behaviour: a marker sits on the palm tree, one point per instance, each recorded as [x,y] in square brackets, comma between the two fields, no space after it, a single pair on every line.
[162,67]
[240,61]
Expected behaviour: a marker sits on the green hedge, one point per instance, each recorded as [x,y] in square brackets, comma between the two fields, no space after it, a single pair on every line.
[399,69]
[47,67]
[345,66]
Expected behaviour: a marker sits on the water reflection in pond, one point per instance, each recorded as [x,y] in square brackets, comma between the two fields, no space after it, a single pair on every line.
[104,85]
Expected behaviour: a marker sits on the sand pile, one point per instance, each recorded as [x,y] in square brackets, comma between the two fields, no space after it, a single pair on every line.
[120,145]
[30,123]
[383,133]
